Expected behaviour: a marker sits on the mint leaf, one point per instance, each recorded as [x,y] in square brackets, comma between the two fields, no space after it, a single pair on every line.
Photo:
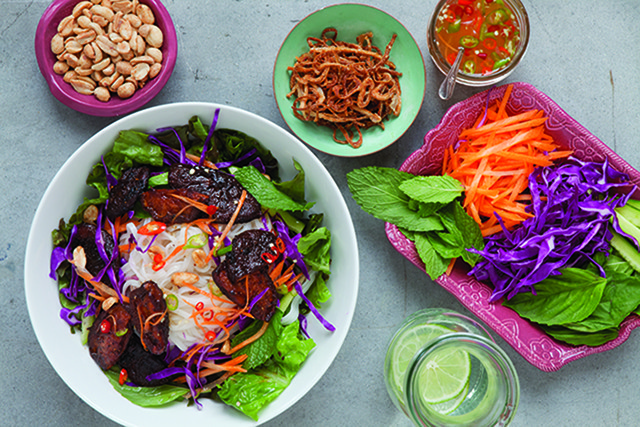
[318,293]
[266,192]
[264,347]
[432,189]
[569,297]
[376,190]
[435,264]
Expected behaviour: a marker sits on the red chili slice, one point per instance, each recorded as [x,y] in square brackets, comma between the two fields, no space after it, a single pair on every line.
[489,43]
[123,376]
[211,209]
[269,257]
[152,228]
[105,326]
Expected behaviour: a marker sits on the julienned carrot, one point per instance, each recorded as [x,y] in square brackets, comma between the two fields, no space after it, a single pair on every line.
[493,162]
[226,230]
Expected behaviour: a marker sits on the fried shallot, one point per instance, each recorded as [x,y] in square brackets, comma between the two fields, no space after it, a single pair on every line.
[345,86]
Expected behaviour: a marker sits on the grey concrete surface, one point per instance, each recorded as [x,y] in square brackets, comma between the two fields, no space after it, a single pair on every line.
[584,54]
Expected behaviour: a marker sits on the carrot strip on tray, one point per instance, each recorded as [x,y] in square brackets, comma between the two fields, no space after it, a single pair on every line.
[493,161]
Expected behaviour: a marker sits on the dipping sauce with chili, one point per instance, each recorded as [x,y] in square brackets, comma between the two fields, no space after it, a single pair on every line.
[488,30]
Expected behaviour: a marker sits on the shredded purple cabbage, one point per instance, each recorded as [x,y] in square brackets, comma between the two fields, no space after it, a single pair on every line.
[302,319]
[572,209]
[205,146]
[111,180]
[242,158]
[314,310]
[291,246]
[171,156]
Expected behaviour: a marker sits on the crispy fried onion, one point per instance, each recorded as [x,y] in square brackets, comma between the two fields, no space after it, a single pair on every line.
[345,86]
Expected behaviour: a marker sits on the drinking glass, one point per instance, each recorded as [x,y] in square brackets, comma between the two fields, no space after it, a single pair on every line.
[444,369]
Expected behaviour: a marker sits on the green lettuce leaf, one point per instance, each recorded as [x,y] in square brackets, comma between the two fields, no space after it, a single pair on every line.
[232,144]
[251,391]
[295,187]
[135,146]
[315,248]
[146,396]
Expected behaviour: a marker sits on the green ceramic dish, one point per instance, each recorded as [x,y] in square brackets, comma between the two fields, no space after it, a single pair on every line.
[351,20]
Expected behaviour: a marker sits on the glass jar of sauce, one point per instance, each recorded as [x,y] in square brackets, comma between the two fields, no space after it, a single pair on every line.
[493,33]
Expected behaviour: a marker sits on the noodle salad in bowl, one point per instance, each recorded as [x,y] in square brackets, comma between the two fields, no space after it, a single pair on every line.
[192,273]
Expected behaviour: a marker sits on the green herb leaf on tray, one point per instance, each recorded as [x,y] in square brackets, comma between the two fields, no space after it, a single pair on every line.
[432,189]
[569,297]
[426,209]
[570,336]
[620,297]
[377,191]
[435,264]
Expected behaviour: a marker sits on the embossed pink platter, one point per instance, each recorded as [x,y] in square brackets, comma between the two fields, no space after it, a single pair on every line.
[527,339]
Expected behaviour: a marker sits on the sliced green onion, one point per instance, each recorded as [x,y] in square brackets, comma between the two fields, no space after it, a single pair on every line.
[223,250]
[172,302]
[196,242]
[122,332]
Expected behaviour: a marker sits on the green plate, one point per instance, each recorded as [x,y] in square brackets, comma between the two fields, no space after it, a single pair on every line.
[351,20]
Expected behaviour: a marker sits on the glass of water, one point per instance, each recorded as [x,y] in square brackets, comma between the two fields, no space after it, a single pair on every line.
[444,369]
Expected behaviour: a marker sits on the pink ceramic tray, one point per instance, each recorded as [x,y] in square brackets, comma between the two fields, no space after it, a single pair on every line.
[531,342]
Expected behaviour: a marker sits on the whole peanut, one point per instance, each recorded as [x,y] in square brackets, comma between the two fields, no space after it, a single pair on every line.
[107,47]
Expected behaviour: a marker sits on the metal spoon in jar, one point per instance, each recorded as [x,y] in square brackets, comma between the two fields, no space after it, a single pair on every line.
[446,88]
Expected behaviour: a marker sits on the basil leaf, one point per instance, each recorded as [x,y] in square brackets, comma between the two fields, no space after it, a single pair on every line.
[569,297]
[592,339]
[620,297]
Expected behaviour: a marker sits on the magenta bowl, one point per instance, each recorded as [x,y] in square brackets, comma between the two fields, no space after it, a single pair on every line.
[528,340]
[61,90]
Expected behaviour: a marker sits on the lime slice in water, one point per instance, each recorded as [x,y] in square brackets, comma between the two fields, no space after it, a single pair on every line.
[407,345]
[444,375]
[449,406]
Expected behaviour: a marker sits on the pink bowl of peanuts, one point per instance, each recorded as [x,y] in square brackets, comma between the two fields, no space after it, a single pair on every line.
[106,57]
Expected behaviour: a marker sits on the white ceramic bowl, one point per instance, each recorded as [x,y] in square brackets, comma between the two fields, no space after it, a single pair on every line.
[71,359]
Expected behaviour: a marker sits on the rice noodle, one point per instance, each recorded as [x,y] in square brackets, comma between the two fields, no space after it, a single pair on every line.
[183,329]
